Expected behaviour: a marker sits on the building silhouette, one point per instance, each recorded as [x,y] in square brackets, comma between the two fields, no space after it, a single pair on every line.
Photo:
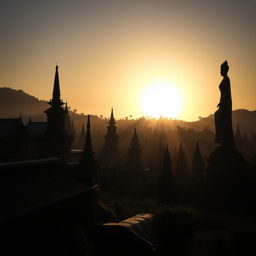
[58,141]
[134,158]
[238,137]
[13,139]
[88,166]
[110,156]
[166,185]
[181,174]
[197,174]
[36,135]
[68,122]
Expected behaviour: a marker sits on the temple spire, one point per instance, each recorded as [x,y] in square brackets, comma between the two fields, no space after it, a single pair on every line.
[197,175]
[56,100]
[66,107]
[166,189]
[112,119]
[88,139]
[88,166]
[135,136]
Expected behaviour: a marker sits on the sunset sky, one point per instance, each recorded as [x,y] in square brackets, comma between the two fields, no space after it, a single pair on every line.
[110,52]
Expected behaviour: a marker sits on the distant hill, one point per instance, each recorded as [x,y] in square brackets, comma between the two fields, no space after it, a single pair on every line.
[245,118]
[14,103]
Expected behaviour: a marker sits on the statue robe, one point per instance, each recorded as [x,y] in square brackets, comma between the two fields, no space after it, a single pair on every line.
[223,116]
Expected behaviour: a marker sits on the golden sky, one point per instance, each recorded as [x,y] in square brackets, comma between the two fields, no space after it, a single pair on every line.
[109,52]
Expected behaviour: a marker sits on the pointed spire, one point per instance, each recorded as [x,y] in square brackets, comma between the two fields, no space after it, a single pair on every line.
[167,160]
[238,133]
[238,128]
[88,140]
[134,161]
[166,179]
[238,137]
[181,166]
[197,175]
[197,151]
[66,107]
[135,144]
[88,123]
[135,136]
[181,148]
[87,162]
[56,100]
[112,119]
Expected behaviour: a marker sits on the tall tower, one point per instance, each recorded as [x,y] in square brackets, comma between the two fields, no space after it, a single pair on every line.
[110,153]
[88,164]
[67,121]
[197,174]
[56,137]
[134,161]
[181,173]
[166,189]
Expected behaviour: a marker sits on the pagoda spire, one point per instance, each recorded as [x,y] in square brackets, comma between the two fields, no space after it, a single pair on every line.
[56,100]
[88,139]
[135,139]
[112,119]
[57,133]
[197,175]
[182,166]
[166,189]
[87,162]
[66,107]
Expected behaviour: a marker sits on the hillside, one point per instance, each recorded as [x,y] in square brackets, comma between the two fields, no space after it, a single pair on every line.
[14,103]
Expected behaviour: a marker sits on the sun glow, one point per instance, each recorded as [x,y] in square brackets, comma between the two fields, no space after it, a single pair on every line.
[161,99]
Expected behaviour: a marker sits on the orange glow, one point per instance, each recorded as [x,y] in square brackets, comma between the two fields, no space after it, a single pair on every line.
[161,99]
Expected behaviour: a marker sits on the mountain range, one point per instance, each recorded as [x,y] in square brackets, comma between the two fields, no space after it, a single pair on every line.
[16,103]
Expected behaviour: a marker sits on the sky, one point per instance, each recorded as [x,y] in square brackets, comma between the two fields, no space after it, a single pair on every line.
[109,52]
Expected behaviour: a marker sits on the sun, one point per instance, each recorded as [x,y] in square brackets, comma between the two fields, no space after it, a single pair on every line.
[161,99]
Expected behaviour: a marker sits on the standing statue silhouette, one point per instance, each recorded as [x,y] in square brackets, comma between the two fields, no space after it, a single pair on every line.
[223,116]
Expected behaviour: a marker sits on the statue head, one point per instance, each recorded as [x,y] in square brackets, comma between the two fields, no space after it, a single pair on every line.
[224,68]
